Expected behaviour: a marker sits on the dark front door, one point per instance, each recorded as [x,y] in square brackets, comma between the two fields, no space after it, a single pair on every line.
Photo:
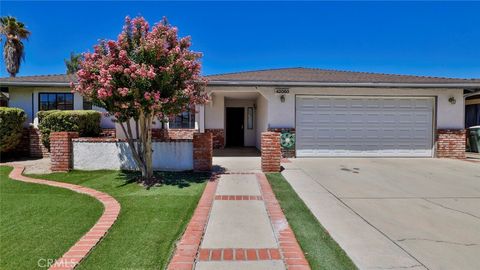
[235,117]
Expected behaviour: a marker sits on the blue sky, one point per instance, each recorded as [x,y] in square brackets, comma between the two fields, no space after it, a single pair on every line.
[421,38]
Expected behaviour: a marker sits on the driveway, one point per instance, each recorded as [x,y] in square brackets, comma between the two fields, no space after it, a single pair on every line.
[396,213]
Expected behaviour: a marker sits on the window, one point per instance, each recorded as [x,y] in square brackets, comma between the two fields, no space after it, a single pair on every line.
[250,117]
[87,105]
[183,120]
[55,101]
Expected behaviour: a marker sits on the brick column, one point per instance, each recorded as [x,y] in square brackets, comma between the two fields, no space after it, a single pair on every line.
[451,143]
[202,151]
[290,152]
[271,151]
[61,150]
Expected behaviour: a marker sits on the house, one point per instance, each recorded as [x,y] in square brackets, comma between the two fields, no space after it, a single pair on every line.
[332,113]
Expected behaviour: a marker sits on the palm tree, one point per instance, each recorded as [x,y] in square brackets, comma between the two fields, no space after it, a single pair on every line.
[73,64]
[13,49]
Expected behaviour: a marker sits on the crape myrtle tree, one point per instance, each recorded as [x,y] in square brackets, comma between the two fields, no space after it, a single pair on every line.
[143,75]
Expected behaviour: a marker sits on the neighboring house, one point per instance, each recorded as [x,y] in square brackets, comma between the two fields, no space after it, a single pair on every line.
[333,113]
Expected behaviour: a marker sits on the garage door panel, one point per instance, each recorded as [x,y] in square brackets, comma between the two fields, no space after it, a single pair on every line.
[364,126]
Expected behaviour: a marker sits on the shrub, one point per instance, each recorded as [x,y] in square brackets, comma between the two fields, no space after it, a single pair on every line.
[11,127]
[43,114]
[86,123]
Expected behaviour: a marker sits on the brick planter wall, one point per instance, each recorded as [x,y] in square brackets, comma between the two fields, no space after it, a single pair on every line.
[61,150]
[218,137]
[450,143]
[271,152]
[108,132]
[290,152]
[36,146]
[167,135]
[202,151]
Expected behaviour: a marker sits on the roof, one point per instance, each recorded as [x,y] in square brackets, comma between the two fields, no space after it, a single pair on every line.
[330,76]
[284,76]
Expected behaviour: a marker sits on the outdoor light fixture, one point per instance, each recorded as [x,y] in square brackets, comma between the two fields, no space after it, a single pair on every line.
[452,100]
[282,98]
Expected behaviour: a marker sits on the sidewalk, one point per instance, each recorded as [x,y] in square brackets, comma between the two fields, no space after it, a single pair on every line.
[245,229]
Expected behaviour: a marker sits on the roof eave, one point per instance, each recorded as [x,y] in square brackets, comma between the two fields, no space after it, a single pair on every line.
[281,83]
[340,84]
[40,84]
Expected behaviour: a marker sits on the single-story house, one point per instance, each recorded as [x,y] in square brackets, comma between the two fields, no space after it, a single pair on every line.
[332,113]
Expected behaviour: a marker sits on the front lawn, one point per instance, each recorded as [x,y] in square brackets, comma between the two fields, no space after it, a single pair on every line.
[39,222]
[150,221]
[321,251]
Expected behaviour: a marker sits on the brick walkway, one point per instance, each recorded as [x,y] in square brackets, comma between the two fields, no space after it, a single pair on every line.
[238,224]
[83,246]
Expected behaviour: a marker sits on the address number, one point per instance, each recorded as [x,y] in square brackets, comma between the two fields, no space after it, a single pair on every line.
[282,91]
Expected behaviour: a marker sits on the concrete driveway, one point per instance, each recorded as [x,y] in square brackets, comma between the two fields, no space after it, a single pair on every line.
[396,213]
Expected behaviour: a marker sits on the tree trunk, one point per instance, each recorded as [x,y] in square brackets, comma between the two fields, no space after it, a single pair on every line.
[145,141]
[141,147]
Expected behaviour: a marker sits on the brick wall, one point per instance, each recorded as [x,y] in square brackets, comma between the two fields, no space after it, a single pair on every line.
[36,146]
[286,152]
[451,143]
[271,152]
[108,132]
[172,134]
[61,150]
[202,151]
[218,137]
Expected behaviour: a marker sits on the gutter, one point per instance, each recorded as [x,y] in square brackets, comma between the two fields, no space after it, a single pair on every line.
[333,84]
[285,83]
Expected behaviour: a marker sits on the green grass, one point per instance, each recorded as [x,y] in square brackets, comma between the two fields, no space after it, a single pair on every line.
[322,252]
[39,222]
[150,221]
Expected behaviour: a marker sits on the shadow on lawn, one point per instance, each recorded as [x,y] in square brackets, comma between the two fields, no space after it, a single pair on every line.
[179,179]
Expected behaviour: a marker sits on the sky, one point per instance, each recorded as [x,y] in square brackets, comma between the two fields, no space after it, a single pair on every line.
[418,38]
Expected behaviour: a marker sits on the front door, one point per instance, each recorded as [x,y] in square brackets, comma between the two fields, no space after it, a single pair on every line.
[235,118]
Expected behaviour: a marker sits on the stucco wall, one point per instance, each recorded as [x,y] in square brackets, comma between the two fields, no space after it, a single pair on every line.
[21,97]
[261,114]
[215,112]
[282,115]
[449,116]
[167,156]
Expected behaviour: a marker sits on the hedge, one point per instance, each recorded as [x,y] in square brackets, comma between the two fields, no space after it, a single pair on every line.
[86,123]
[11,127]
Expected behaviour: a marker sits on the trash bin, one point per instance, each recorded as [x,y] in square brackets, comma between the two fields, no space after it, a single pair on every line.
[474,138]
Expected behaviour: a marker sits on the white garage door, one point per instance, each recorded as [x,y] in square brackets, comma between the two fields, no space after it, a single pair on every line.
[364,126]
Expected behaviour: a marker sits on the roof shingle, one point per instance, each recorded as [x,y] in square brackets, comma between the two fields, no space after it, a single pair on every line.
[297,75]
[329,76]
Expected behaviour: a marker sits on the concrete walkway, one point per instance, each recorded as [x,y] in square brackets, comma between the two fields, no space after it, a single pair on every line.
[244,229]
[31,165]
